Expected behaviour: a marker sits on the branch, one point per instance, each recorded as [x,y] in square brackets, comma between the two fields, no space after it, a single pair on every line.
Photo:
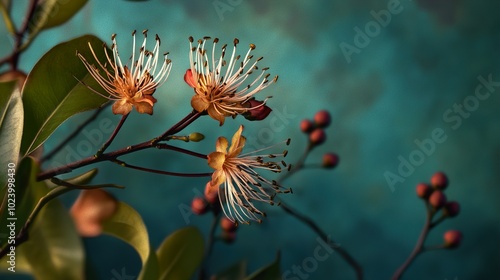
[124,164]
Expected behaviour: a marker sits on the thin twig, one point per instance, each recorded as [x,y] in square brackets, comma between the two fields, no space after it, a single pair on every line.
[73,134]
[180,150]
[340,250]
[124,164]
[418,247]
[113,135]
[110,156]
[210,244]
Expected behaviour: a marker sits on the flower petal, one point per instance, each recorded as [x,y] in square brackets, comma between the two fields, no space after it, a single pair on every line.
[143,108]
[199,103]
[121,107]
[237,143]
[212,112]
[218,177]
[221,145]
[216,160]
[189,79]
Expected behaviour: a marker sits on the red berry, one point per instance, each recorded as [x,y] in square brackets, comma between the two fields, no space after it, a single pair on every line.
[452,238]
[439,181]
[437,199]
[322,118]
[330,160]
[306,126]
[423,190]
[451,209]
[227,225]
[317,137]
[199,206]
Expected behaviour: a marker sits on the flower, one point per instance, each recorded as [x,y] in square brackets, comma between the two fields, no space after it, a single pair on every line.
[216,83]
[134,85]
[242,185]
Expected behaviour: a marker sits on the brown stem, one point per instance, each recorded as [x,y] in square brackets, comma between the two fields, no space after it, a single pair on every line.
[72,135]
[210,244]
[20,34]
[124,164]
[113,135]
[120,152]
[180,150]
[300,163]
[418,247]
[340,250]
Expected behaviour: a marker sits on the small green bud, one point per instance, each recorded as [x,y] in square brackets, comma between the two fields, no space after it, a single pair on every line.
[196,137]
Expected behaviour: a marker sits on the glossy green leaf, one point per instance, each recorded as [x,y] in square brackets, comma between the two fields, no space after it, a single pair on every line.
[54,249]
[127,225]
[180,254]
[11,128]
[237,271]
[53,93]
[50,13]
[269,272]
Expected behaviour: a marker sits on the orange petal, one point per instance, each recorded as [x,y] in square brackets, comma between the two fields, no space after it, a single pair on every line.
[237,143]
[221,145]
[121,107]
[199,103]
[189,79]
[212,112]
[218,178]
[144,108]
[216,160]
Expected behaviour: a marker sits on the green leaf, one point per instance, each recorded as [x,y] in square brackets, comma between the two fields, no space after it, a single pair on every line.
[237,271]
[54,249]
[269,272]
[127,225]
[180,254]
[11,128]
[53,93]
[50,13]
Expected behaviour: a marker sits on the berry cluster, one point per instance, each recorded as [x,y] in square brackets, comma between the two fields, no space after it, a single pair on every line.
[315,129]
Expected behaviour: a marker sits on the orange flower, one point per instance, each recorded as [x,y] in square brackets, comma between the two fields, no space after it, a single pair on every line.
[242,185]
[134,85]
[217,83]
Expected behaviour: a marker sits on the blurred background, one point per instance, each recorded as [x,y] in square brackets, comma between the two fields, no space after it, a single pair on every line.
[390,72]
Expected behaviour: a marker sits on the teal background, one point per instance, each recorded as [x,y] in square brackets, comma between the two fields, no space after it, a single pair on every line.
[396,89]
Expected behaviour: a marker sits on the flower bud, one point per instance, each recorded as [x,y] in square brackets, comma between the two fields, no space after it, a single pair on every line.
[437,199]
[317,137]
[330,160]
[322,119]
[452,238]
[199,206]
[227,225]
[196,137]
[451,209]
[423,190]
[258,111]
[439,181]
[306,126]
[211,193]
[91,209]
